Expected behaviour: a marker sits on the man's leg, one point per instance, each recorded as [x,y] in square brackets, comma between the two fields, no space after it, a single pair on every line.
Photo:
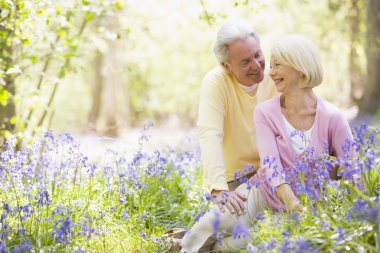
[198,236]
[255,204]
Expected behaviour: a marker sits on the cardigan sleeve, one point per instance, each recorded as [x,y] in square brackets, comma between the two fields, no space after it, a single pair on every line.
[211,113]
[341,133]
[267,145]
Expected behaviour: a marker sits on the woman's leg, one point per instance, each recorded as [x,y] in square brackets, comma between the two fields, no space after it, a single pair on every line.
[200,238]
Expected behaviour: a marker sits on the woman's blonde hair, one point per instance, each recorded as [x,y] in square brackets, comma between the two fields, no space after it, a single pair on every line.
[301,54]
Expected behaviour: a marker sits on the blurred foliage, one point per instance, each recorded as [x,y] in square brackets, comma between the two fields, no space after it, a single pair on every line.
[164,49]
[39,40]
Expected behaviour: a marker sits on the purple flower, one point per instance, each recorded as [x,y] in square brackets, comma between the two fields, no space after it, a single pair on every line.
[25,245]
[260,216]
[63,230]
[325,226]
[365,211]
[216,223]
[3,248]
[143,234]
[286,234]
[240,232]
[252,248]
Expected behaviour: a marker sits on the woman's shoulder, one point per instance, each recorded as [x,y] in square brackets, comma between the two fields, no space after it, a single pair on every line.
[269,104]
[328,108]
[330,114]
[268,110]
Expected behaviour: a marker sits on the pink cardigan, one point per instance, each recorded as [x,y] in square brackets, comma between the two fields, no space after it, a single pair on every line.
[273,140]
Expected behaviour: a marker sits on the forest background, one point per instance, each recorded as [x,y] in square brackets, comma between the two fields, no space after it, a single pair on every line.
[111,65]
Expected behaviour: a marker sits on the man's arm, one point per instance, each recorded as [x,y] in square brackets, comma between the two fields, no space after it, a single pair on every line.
[211,114]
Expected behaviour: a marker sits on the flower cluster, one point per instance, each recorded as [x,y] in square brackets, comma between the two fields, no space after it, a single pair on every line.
[53,198]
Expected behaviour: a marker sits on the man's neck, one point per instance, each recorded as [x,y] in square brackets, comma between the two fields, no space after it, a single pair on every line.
[251,90]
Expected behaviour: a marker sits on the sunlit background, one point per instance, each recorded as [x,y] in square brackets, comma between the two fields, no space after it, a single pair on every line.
[119,64]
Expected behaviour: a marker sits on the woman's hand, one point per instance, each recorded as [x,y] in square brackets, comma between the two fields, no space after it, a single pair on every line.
[285,193]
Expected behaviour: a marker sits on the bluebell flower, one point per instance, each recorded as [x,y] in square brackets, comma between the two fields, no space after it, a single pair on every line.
[143,234]
[63,230]
[285,234]
[260,216]
[325,226]
[25,246]
[16,249]
[216,223]
[304,246]
[252,248]
[3,248]
[240,231]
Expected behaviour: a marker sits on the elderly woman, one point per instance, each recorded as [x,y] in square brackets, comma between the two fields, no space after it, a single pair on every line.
[296,69]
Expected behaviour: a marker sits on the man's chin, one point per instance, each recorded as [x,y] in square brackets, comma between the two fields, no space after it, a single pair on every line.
[257,78]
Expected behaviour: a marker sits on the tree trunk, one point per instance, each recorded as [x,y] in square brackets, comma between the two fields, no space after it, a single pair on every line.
[371,102]
[356,75]
[9,111]
[96,93]
[114,75]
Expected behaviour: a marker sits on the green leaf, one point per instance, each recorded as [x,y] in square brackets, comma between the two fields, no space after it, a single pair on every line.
[118,5]
[13,120]
[4,95]
[89,16]
[34,59]
[25,42]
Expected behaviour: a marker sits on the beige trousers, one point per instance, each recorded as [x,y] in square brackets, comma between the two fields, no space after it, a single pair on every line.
[200,237]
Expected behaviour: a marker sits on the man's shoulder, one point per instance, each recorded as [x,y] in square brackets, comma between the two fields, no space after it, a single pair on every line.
[216,76]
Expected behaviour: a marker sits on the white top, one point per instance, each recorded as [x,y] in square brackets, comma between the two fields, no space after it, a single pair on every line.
[249,89]
[300,140]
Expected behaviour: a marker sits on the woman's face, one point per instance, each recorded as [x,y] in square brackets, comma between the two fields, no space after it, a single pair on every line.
[285,77]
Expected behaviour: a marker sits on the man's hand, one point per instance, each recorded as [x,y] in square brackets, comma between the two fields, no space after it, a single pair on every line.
[229,200]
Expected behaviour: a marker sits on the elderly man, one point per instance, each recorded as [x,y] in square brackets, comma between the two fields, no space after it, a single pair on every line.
[229,94]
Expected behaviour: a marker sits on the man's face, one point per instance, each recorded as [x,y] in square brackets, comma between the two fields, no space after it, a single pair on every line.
[247,62]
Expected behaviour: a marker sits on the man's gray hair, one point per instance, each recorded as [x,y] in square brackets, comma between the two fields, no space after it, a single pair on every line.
[230,32]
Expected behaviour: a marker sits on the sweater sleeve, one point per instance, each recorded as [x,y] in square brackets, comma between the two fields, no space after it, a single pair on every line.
[267,145]
[211,113]
[341,133]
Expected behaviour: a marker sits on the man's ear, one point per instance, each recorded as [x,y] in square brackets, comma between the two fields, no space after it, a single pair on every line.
[226,67]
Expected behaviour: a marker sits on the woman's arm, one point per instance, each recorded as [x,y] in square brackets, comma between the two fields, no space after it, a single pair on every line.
[267,146]
[285,193]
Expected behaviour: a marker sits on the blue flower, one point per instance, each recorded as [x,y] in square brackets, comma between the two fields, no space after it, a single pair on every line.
[240,232]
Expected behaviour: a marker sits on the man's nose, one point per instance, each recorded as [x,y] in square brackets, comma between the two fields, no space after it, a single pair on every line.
[256,64]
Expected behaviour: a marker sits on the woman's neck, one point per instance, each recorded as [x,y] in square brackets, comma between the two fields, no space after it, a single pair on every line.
[299,100]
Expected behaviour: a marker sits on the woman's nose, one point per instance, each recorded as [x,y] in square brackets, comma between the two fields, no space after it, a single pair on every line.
[271,72]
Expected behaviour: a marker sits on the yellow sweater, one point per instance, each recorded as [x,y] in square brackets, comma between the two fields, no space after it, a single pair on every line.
[225,123]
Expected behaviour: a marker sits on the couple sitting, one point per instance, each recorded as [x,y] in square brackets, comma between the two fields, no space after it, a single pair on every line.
[239,121]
